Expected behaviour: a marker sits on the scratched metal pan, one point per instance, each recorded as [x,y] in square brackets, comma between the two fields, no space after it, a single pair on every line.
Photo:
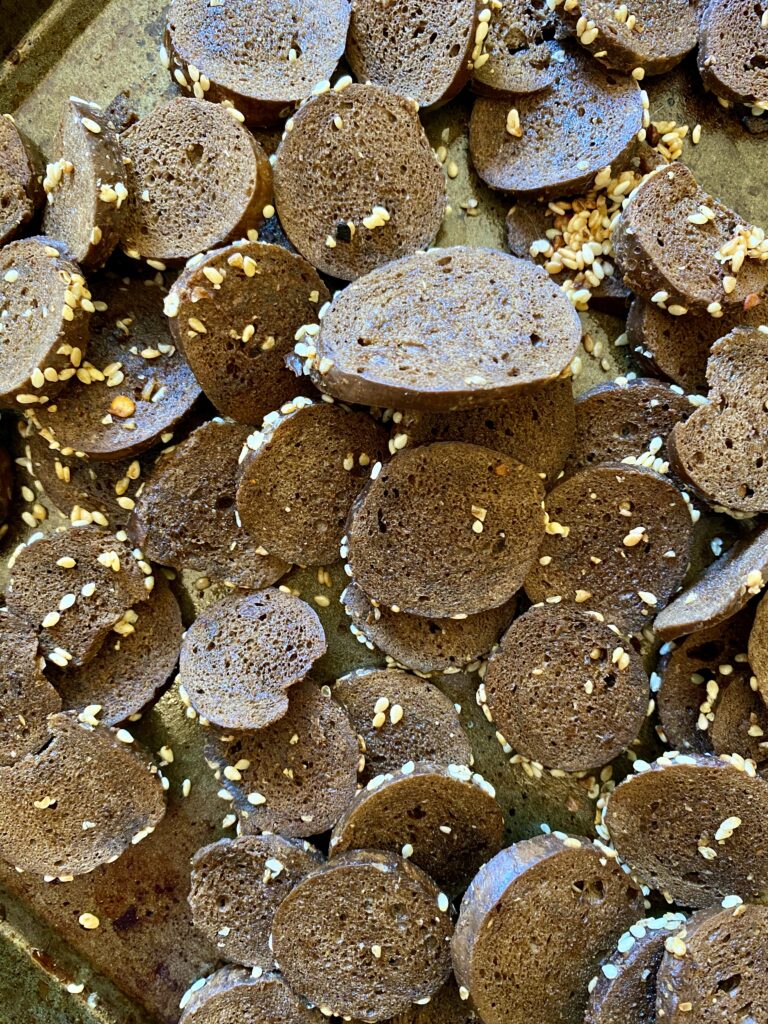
[135,967]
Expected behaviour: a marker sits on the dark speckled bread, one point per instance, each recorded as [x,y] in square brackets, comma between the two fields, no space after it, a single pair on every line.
[26,696]
[732,51]
[758,648]
[541,893]
[481,325]
[445,1007]
[233,994]
[21,174]
[520,59]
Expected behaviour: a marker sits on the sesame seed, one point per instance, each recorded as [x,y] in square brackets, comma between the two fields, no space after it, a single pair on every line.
[406,851]
[88,921]
[442,902]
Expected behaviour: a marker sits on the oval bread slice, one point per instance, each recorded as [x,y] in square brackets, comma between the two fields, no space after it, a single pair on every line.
[234,994]
[21,176]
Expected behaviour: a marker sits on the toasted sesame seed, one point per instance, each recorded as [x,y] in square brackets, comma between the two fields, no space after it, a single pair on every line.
[88,921]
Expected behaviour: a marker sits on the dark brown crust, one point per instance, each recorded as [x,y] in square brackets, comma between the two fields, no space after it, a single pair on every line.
[505,901]
[21,175]
[232,993]
[732,51]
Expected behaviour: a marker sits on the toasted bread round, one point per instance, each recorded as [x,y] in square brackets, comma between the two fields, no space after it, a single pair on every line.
[21,191]
[236,887]
[446,529]
[585,895]
[348,911]
[356,182]
[592,554]
[731,53]
[26,696]
[263,59]
[556,693]
[241,655]
[300,474]
[234,994]
[432,64]
[662,818]
[521,59]
[481,325]
[586,120]
[196,180]
[250,299]
[79,803]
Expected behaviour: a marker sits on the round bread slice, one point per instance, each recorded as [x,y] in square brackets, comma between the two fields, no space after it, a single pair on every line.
[300,474]
[558,692]
[534,426]
[44,310]
[758,648]
[665,256]
[80,802]
[720,450]
[563,135]
[185,515]
[21,175]
[431,64]
[715,972]
[364,936]
[420,722]
[296,776]
[444,818]
[446,529]
[84,186]
[480,325]
[236,887]
[731,53]
[422,644]
[656,37]
[624,989]
[551,891]
[264,59]
[721,590]
[234,994]
[134,662]
[241,655]
[616,422]
[356,181]
[26,696]
[250,299]
[445,1007]
[73,607]
[661,819]
[196,180]
[618,541]
[520,59]
[147,389]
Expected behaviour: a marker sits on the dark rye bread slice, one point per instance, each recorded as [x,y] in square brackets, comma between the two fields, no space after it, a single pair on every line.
[236,887]
[446,529]
[297,775]
[147,390]
[185,515]
[616,421]
[26,696]
[657,38]
[624,989]
[85,203]
[758,648]
[661,819]
[521,56]
[443,818]
[44,311]
[431,64]
[422,644]
[662,253]
[196,180]
[720,591]
[250,298]
[721,976]
[234,994]
[79,803]
[720,450]
[534,425]
[242,654]
[364,936]
[443,330]
[562,895]
[349,155]
[705,701]
[591,554]
[556,693]
[263,59]
[130,667]
[74,607]
[420,723]
[445,1007]
[587,119]
[21,175]
[300,474]
[732,56]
